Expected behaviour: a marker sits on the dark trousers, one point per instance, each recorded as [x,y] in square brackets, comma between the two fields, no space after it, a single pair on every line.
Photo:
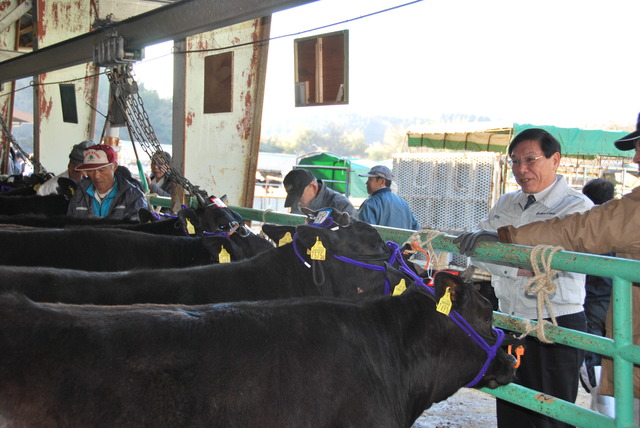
[549,368]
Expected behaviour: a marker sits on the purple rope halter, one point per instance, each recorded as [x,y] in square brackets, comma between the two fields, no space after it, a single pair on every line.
[345,259]
[491,350]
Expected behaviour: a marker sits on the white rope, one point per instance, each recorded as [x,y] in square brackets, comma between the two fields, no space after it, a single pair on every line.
[543,286]
[437,261]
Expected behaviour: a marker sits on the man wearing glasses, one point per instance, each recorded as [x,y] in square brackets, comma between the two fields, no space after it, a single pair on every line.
[550,368]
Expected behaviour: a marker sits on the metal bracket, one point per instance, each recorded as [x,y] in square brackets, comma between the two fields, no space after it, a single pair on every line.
[111,52]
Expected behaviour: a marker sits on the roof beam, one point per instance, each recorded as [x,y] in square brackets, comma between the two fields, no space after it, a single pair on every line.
[171,22]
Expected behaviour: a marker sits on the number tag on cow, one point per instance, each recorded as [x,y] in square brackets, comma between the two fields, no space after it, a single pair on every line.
[224,256]
[286,239]
[444,305]
[321,216]
[318,251]
[399,288]
[190,229]
[218,202]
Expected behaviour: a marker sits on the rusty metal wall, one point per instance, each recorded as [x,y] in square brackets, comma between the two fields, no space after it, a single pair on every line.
[221,149]
[7,42]
[57,21]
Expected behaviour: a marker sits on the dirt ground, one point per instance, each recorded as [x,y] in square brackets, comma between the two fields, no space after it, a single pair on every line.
[470,408]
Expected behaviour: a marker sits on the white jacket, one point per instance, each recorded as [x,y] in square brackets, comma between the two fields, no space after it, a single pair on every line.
[557,200]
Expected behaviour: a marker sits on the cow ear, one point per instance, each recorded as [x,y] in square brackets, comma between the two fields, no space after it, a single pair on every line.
[343,219]
[220,248]
[147,216]
[189,220]
[449,286]
[281,235]
[66,187]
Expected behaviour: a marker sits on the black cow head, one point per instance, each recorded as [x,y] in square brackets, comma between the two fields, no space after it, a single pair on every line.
[451,291]
[66,187]
[335,234]
[147,216]
[225,249]
[342,235]
[211,218]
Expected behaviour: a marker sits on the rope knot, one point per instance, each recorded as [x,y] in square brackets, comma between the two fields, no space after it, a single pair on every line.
[543,286]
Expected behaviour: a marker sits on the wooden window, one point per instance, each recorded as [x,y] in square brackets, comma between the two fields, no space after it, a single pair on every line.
[218,83]
[321,69]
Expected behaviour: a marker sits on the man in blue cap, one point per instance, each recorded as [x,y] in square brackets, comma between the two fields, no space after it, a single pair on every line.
[383,207]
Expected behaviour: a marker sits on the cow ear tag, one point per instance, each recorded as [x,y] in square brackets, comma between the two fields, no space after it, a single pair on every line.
[318,252]
[190,229]
[444,304]
[286,239]
[224,256]
[399,288]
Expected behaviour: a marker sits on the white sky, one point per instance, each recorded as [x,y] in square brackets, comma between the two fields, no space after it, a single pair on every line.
[569,63]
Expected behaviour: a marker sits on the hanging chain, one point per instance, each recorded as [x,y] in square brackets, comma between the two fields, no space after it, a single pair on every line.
[7,132]
[125,90]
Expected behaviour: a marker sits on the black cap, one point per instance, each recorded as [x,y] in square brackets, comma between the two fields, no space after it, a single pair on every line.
[629,142]
[294,183]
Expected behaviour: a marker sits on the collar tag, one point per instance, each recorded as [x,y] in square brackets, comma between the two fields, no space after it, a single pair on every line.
[322,216]
[318,251]
[224,256]
[444,305]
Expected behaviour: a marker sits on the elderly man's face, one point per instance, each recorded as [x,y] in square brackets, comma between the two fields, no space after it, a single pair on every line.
[308,194]
[533,171]
[102,178]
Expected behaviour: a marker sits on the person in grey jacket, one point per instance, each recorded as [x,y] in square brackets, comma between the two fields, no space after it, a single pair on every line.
[304,190]
[105,193]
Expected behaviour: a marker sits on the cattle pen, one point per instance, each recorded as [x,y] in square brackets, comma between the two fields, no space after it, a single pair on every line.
[620,348]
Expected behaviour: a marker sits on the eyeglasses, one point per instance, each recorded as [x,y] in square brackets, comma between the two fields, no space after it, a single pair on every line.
[527,161]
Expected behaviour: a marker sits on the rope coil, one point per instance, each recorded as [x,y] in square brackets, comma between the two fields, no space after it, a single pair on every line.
[543,286]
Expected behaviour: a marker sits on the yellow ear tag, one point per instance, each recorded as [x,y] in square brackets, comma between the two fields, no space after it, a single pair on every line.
[190,229]
[224,256]
[318,252]
[444,305]
[286,239]
[400,288]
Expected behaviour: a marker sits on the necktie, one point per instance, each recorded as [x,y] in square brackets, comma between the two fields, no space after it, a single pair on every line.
[530,200]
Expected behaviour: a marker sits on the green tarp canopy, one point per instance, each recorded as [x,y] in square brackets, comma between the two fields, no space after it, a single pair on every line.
[574,141]
[333,170]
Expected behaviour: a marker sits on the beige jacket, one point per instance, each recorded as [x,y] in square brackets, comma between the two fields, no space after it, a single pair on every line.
[612,227]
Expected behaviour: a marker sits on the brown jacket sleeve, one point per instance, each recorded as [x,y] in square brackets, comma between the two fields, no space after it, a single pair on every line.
[612,227]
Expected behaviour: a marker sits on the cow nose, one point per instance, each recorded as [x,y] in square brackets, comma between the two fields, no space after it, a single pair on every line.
[512,360]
